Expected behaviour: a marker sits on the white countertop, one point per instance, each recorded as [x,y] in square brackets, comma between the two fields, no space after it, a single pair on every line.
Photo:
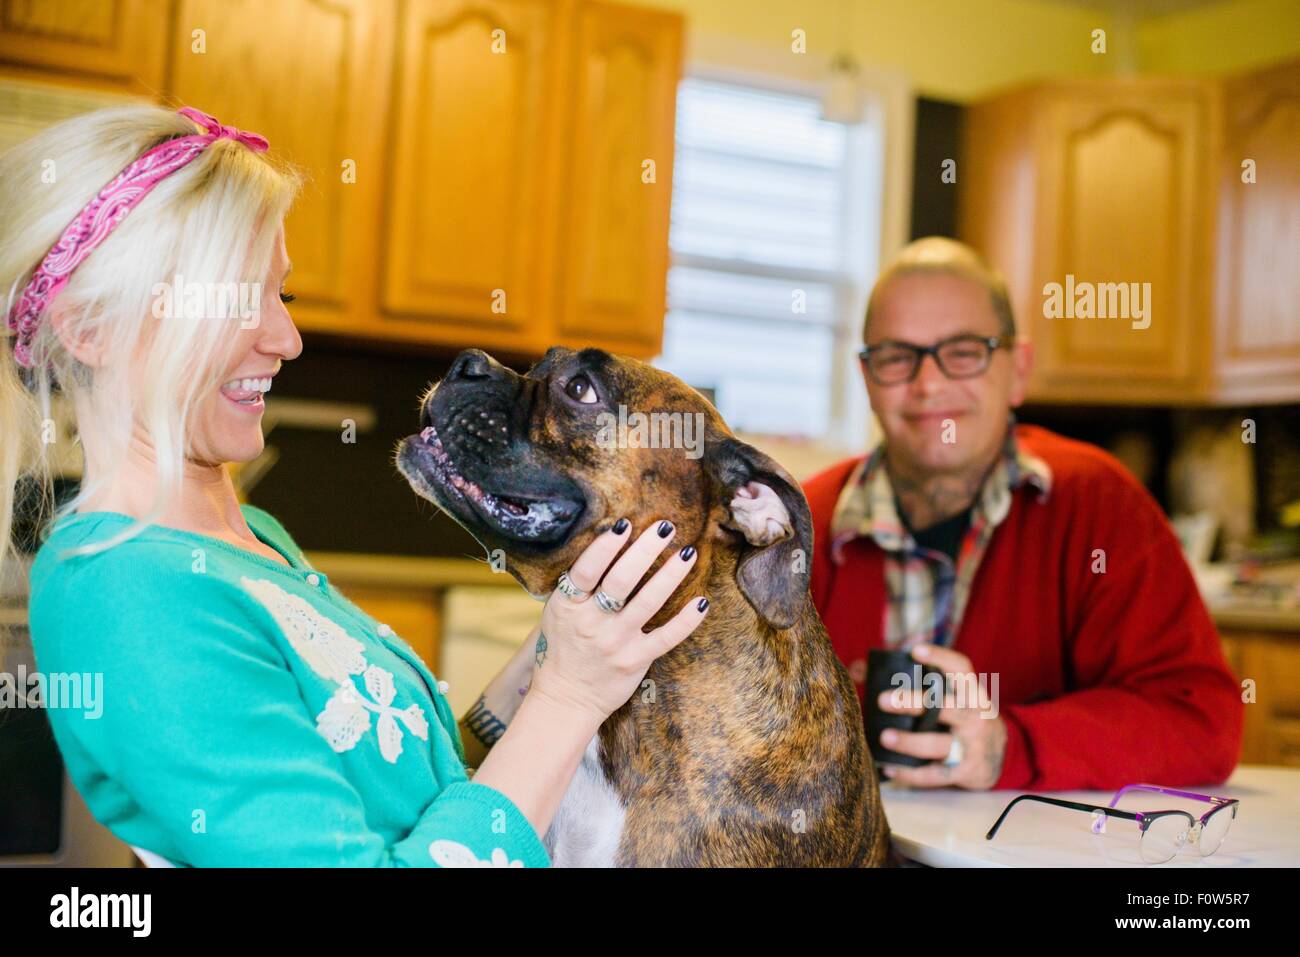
[946,827]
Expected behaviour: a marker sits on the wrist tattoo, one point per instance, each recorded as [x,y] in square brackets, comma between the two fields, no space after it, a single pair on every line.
[483,724]
[539,652]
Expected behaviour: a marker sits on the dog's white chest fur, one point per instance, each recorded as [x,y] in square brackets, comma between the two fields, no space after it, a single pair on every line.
[589,824]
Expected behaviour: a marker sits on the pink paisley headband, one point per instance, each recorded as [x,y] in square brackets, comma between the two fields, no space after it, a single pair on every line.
[103,213]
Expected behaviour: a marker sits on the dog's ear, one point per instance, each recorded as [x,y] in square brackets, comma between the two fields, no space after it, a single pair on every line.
[765,505]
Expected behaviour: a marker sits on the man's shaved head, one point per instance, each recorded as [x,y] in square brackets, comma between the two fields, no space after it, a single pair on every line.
[939,255]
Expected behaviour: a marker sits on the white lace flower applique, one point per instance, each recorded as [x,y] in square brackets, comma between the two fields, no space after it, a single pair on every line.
[454,854]
[336,656]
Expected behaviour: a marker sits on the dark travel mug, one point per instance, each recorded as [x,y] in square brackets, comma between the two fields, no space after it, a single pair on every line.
[886,671]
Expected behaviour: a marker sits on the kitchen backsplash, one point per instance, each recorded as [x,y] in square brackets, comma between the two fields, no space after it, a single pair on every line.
[337,495]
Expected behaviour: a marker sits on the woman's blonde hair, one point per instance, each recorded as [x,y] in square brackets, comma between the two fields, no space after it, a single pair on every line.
[216,220]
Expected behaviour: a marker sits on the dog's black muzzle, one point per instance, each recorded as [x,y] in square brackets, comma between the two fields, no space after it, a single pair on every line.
[474,457]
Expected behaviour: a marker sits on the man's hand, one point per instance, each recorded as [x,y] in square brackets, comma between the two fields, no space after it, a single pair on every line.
[983,739]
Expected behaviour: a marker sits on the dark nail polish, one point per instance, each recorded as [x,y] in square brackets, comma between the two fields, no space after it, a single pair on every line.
[619,527]
[665,529]
[702,604]
[687,552]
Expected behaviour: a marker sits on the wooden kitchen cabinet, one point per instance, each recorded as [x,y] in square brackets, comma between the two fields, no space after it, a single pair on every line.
[470,203]
[1258,295]
[310,77]
[1106,182]
[103,42]
[1272,660]
[518,214]
[1139,181]
[475,169]
[623,91]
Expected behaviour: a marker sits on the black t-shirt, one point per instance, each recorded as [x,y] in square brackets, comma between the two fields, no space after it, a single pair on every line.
[944,537]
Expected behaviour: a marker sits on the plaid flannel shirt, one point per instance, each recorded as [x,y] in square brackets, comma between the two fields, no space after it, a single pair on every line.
[927,591]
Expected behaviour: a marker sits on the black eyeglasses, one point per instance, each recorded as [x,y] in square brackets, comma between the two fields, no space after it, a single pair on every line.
[961,357]
[1161,834]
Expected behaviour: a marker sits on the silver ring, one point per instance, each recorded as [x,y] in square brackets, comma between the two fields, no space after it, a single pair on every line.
[955,753]
[565,586]
[607,604]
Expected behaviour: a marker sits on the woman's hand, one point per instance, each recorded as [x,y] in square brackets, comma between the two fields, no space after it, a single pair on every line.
[592,660]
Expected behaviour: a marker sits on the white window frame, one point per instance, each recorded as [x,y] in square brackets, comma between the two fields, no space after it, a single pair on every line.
[891,106]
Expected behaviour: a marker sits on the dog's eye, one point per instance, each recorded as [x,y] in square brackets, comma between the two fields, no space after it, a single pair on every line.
[580,389]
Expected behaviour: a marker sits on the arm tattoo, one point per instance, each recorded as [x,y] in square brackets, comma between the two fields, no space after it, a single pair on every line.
[539,652]
[483,724]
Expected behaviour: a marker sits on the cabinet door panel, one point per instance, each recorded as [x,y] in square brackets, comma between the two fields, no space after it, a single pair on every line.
[118,40]
[1123,204]
[1272,725]
[615,253]
[1259,284]
[311,79]
[466,217]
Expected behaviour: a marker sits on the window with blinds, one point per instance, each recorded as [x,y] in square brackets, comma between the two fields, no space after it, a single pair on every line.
[761,287]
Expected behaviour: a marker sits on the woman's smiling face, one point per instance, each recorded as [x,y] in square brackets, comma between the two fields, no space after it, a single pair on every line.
[228,421]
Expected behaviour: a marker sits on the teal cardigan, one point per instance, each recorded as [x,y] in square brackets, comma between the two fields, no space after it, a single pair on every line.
[251,715]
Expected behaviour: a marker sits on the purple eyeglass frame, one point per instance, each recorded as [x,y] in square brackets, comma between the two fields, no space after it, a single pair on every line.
[1144,819]
[1190,795]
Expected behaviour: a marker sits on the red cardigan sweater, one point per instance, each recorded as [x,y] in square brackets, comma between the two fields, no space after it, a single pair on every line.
[1105,679]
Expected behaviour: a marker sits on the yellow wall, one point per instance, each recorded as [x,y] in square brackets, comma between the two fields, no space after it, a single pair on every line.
[1224,38]
[965,49]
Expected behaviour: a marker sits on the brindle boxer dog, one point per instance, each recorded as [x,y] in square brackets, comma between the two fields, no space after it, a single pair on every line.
[751,751]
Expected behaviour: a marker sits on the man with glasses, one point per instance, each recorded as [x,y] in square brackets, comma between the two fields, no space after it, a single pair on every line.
[1032,567]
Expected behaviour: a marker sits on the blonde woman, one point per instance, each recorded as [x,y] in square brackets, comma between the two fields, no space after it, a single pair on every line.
[251,714]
